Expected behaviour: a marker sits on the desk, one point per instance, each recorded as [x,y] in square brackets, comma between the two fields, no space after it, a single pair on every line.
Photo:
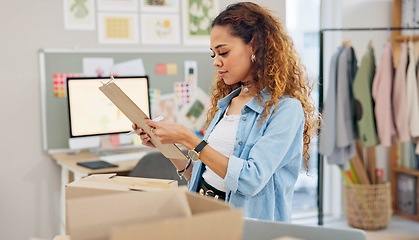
[70,171]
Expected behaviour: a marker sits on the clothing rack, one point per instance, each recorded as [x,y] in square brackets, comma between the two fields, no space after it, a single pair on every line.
[319,156]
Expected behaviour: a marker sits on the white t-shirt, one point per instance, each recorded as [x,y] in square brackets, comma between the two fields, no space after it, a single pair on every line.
[222,139]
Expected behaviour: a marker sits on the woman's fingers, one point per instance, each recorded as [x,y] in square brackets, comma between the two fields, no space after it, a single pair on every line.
[140,131]
[145,138]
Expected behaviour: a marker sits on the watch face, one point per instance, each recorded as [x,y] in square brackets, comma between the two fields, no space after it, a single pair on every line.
[193,155]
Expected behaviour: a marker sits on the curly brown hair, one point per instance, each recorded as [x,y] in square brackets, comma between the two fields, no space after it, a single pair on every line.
[277,66]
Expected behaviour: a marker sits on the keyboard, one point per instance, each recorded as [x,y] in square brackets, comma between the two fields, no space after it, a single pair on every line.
[119,157]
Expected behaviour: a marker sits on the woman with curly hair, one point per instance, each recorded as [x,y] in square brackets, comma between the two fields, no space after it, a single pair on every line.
[260,122]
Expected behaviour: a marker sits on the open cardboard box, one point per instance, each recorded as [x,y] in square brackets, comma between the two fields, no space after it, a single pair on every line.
[109,184]
[171,214]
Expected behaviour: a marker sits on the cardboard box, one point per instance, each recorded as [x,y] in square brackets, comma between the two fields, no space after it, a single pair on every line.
[171,214]
[108,184]
[62,237]
[100,184]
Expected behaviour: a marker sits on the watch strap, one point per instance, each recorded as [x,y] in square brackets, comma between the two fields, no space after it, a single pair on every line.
[200,146]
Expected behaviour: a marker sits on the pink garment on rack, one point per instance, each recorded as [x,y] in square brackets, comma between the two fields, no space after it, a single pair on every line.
[381,92]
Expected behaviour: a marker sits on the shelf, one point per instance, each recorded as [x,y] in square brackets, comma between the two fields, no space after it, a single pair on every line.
[407,171]
[397,38]
[406,215]
[400,170]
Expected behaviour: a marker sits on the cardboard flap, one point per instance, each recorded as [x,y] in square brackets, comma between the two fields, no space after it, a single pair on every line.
[93,217]
[105,176]
[62,237]
[202,204]
[149,187]
[121,183]
[222,224]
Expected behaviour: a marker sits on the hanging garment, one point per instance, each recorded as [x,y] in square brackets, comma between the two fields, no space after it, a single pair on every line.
[344,101]
[381,92]
[415,139]
[339,122]
[353,69]
[399,99]
[412,94]
[364,104]
[327,137]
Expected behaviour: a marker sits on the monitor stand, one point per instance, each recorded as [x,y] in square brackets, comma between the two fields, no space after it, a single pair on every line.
[81,143]
[111,154]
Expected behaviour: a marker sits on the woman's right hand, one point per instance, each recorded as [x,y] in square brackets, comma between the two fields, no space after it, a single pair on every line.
[145,138]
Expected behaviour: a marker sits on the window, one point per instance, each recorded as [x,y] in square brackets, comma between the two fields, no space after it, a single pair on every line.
[303,25]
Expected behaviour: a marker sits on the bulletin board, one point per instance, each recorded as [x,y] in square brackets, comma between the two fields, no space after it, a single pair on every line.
[53,61]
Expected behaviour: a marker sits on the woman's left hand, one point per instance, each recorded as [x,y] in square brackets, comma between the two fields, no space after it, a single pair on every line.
[169,132]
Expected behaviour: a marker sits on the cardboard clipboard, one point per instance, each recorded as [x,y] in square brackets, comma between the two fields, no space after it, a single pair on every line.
[137,116]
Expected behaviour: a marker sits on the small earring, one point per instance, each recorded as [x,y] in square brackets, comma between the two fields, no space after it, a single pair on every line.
[253,58]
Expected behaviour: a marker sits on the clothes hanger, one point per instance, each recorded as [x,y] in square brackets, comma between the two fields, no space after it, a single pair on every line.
[346,43]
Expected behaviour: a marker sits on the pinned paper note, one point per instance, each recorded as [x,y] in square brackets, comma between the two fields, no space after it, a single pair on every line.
[115,140]
[166,69]
[133,67]
[192,114]
[59,83]
[97,67]
[161,69]
[191,74]
[171,68]
[182,93]
[154,97]
[166,107]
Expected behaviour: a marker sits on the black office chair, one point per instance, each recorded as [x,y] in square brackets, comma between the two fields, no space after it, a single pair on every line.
[156,165]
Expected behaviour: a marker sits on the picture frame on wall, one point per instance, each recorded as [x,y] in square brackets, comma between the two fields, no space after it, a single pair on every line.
[197,18]
[79,15]
[118,28]
[159,6]
[160,29]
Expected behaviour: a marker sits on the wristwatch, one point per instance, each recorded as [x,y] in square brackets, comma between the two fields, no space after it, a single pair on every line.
[194,154]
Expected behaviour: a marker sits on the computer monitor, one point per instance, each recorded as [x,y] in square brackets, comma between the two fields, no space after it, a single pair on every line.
[92,114]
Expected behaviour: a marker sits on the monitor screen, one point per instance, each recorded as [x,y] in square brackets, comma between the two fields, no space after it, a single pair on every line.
[92,113]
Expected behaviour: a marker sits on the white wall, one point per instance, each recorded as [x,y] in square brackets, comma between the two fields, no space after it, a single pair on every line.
[29,179]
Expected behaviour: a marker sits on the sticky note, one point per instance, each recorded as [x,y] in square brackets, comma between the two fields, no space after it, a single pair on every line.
[161,69]
[171,69]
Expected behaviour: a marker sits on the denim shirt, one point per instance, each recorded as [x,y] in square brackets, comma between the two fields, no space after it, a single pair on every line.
[266,159]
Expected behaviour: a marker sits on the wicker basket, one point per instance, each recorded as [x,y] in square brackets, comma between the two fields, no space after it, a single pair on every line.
[368,207]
